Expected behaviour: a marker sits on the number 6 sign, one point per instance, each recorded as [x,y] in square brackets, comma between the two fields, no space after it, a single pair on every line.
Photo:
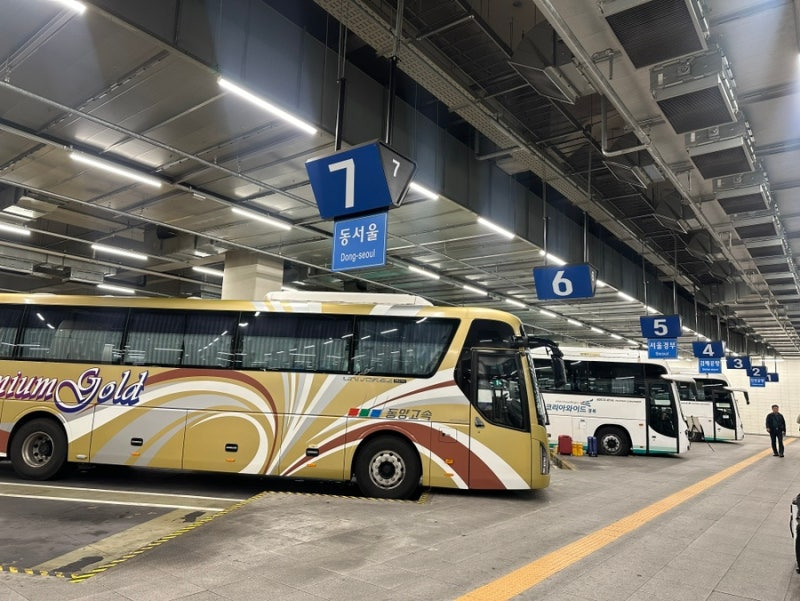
[567,281]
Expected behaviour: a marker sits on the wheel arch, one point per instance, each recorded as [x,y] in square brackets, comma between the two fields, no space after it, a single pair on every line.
[38,414]
[391,433]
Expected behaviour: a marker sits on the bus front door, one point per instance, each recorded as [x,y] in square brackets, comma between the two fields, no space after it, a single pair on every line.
[662,419]
[724,418]
[501,454]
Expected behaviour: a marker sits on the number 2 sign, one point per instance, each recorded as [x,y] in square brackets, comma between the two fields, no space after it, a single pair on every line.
[567,281]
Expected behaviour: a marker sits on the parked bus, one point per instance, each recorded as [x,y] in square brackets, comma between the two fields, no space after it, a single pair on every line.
[324,386]
[711,407]
[620,397]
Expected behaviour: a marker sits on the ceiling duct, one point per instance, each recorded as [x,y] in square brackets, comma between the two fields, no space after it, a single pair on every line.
[701,246]
[743,192]
[544,61]
[668,212]
[722,150]
[695,92]
[764,227]
[636,168]
[655,31]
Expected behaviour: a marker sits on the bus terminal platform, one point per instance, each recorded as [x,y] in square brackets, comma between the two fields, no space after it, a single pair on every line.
[712,524]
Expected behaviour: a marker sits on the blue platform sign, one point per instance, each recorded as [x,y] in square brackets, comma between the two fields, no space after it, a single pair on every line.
[708,350]
[737,363]
[660,326]
[758,382]
[566,281]
[360,242]
[757,371]
[709,366]
[772,377]
[662,349]
[365,178]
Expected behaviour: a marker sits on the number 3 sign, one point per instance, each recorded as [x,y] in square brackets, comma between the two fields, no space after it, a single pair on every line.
[567,281]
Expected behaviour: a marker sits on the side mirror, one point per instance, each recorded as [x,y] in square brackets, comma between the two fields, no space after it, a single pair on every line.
[559,370]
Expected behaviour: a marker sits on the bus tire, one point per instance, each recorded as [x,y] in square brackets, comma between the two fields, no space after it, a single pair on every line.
[38,450]
[613,441]
[387,467]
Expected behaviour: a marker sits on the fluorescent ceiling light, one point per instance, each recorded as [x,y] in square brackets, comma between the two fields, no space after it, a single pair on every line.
[201,254]
[22,212]
[601,284]
[598,330]
[78,7]
[111,250]
[685,329]
[651,309]
[574,322]
[14,229]
[267,106]
[427,274]
[474,290]
[552,258]
[616,336]
[262,218]
[115,169]
[422,190]
[112,288]
[516,303]
[624,296]
[547,313]
[496,228]
[208,271]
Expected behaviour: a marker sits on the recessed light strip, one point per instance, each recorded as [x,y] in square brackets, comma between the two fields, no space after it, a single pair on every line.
[122,252]
[113,288]
[262,218]
[423,191]
[14,229]
[496,228]
[78,7]
[115,169]
[426,273]
[267,106]
[208,271]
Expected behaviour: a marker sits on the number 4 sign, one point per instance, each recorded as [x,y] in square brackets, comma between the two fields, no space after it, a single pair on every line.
[567,281]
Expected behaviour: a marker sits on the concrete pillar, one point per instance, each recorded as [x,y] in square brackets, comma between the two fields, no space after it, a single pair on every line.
[250,276]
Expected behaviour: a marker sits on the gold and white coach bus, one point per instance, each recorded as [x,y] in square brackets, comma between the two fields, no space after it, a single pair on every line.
[385,388]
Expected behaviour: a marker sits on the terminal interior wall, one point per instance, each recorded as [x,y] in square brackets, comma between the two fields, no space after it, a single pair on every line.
[785,393]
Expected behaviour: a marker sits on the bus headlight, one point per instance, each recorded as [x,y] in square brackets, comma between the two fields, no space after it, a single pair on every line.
[544,464]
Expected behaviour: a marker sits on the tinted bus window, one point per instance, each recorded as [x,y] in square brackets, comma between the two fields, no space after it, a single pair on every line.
[173,338]
[87,334]
[600,377]
[398,346]
[10,318]
[296,342]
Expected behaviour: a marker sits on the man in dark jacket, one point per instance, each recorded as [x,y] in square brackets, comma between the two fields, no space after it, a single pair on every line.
[776,426]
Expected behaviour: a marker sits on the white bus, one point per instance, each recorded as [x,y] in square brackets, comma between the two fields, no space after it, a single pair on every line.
[711,407]
[622,398]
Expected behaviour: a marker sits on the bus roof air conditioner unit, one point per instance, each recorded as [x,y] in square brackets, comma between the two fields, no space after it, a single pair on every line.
[655,31]
[695,92]
[722,150]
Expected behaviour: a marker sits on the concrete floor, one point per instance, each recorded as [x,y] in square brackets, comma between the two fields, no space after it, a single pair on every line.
[728,542]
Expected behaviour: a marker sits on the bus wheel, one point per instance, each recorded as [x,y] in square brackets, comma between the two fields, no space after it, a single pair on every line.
[388,468]
[613,441]
[38,450]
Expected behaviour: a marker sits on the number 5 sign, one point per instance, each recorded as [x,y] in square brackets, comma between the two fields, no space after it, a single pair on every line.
[567,281]
[662,326]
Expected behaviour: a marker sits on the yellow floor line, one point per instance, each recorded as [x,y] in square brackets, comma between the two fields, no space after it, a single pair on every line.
[530,575]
